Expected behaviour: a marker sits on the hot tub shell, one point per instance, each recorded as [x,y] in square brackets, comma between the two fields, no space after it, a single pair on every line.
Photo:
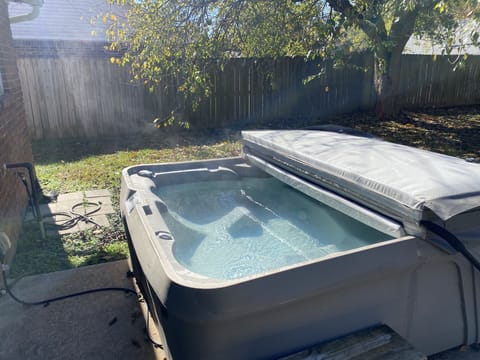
[416,283]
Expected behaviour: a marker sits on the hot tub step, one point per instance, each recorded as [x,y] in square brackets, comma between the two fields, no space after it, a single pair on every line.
[379,342]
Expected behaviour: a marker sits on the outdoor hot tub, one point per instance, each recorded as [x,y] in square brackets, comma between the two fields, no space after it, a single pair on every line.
[308,236]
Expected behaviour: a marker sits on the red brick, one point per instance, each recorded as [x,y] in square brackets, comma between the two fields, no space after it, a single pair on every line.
[15,145]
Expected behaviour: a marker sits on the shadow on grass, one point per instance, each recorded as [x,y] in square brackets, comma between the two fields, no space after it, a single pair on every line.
[74,149]
[35,255]
[62,252]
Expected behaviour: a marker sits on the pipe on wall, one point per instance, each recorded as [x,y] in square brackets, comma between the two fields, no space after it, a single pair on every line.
[32,192]
[35,4]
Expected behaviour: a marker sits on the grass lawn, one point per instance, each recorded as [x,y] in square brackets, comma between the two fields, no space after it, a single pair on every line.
[78,164]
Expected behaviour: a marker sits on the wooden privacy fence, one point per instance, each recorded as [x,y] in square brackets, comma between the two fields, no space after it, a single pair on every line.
[78,96]
[67,97]
[429,82]
[250,91]
[87,96]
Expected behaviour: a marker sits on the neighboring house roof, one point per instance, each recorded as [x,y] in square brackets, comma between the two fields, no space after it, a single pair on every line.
[63,20]
[461,45]
[417,46]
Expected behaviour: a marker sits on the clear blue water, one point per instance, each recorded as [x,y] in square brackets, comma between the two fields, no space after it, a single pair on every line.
[233,229]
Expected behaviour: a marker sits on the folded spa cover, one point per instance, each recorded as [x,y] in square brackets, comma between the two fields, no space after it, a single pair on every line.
[401,182]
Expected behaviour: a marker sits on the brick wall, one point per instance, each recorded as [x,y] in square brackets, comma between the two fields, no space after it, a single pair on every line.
[15,143]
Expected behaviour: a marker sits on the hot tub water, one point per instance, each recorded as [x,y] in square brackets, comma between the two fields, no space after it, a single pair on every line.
[238,228]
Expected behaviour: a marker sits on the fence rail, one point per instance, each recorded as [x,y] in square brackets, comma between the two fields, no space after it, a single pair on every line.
[87,96]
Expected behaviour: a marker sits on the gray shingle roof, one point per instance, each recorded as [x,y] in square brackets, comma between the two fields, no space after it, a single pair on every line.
[417,46]
[461,45]
[62,20]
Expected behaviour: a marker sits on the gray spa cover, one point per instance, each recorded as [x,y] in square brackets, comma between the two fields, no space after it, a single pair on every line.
[405,183]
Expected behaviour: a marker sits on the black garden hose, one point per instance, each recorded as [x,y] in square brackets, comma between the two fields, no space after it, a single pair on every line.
[72,217]
[455,242]
[47,302]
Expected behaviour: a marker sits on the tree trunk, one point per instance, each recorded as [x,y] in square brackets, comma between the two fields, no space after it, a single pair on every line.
[387,69]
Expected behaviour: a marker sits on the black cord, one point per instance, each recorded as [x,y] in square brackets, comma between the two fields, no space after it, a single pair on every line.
[153,342]
[47,302]
[455,242]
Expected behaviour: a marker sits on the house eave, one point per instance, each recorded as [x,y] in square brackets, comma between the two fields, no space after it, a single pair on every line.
[35,4]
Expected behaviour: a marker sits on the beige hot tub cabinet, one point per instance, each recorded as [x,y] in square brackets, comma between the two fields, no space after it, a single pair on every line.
[420,281]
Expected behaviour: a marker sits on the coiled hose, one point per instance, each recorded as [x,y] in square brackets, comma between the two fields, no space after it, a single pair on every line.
[73,217]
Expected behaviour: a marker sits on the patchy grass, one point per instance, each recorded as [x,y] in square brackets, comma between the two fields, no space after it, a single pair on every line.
[78,164]
[74,165]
